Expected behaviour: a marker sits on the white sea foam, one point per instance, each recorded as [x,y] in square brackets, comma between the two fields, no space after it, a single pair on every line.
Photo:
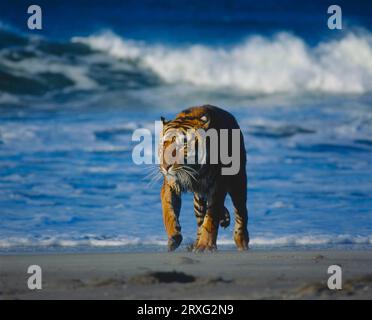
[122,241]
[284,63]
[31,67]
[90,241]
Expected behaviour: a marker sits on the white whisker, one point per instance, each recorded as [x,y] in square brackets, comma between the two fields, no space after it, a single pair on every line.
[190,175]
[154,175]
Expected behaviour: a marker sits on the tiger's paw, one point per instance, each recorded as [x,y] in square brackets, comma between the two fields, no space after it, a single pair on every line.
[206,242]
[225,218]
[174,242]
[241,239]
[204,247]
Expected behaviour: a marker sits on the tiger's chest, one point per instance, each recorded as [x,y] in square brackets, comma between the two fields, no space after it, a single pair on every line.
[205,184]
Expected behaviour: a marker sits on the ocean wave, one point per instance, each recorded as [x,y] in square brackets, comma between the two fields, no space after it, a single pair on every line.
[55,71]
[81,241]
[283,63]
[107,64]
[123,241]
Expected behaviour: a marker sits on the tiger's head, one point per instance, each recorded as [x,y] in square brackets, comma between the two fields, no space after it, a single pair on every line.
[180,155]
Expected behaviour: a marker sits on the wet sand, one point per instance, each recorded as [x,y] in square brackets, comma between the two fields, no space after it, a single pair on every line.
[183,275]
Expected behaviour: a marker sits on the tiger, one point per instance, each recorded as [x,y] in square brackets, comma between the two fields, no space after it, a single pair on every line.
[205,181]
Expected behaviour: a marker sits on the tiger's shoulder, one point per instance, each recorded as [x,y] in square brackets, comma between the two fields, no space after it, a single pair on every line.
[218,118]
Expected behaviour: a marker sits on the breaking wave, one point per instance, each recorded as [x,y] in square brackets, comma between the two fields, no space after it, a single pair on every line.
[105,64]
[284,63]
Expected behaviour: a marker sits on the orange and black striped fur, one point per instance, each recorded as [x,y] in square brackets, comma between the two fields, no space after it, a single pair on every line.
[207,183]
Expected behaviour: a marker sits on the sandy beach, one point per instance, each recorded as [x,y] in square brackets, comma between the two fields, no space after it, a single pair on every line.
[183,275]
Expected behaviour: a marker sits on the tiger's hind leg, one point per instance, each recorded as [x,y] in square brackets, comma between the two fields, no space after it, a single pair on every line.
[238,195]
[171,203]
[225,218]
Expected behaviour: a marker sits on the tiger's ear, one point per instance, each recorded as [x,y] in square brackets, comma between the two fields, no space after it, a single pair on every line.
[163,120]
[205,119]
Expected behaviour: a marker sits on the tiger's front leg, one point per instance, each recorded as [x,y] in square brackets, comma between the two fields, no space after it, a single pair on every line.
[171,204]
[200,210]
[208,231]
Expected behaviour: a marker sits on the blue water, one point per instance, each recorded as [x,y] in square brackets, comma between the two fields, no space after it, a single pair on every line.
[72,94]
